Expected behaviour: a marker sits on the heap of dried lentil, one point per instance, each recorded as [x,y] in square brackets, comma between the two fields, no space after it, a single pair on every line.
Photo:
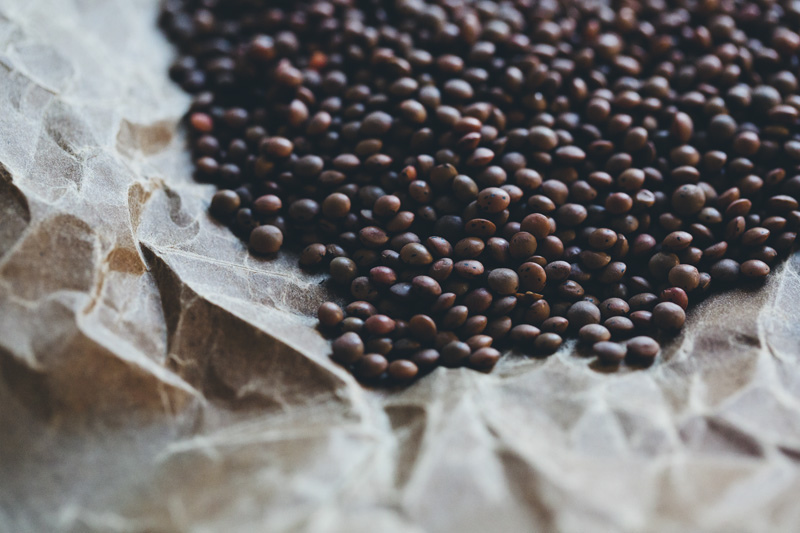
[477,174]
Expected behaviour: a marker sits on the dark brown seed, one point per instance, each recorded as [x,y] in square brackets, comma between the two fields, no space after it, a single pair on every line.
[570,290]
[570,155]
[642,319]
[538,312]
[413,111]
[685,277]
[669,316]
[480,227]
[523,335]
[620,326]
[266,239]
[602,239]
[469,248]
[583,313]
[682,127]
[386,206]
[422,328]
[225,203]
[373,237]
[474,326]
[522,245]
[503,281]
[379,325]
[336,205]
[754,269]
[613,272]
[688,199]
[312,255]
[555,271]
[571,215]
[677,240]
[476,342]
[643,348]
[278,147]
[618,203]
[469,268]
[441,269]
[614,307]
[371,366]
[635,120]
[348,348]
[267,205]
[439,247]
[755,236]
[642,244]
[746,143]
[458,90]
[661,264]
[547,343]
[555,324]
[360,309]
[402,370]
[725,271]
[483,359]
[376,124]
[381,275]
[352,324]
[493,200]
[532,277]
[738,208]
[455,353]
[594,260]
[455,317]
[330,314]
[536,224]
[443,338]
[415,254]
[593,333]
[425,286]
[735,228]
[362,289]
[675,295]
[380,345]
[542,139]
[478,300]
[782,203]
[609,353]
[498,327]
[343,270]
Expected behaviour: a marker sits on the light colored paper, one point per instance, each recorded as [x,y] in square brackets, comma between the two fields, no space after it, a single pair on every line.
[154,377]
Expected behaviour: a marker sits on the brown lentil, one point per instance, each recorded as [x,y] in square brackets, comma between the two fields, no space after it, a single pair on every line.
[593,333]
[669,316]
[348,348]
[266,239]
[643,348]
[547,343]
[397,147]
[609,353]
[371,366]
[754,269]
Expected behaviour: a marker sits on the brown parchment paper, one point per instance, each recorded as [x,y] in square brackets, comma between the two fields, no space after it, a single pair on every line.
[154,377]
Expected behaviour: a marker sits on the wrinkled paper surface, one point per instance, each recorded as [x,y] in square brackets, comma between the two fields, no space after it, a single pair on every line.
[154,377]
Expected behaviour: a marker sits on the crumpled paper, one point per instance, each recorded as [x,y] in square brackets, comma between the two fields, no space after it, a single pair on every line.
[154,377]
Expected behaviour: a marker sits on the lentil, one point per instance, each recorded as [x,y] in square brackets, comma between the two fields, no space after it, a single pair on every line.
[361,136]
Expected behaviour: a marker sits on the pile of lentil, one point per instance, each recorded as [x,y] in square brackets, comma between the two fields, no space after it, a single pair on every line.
[477,175]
